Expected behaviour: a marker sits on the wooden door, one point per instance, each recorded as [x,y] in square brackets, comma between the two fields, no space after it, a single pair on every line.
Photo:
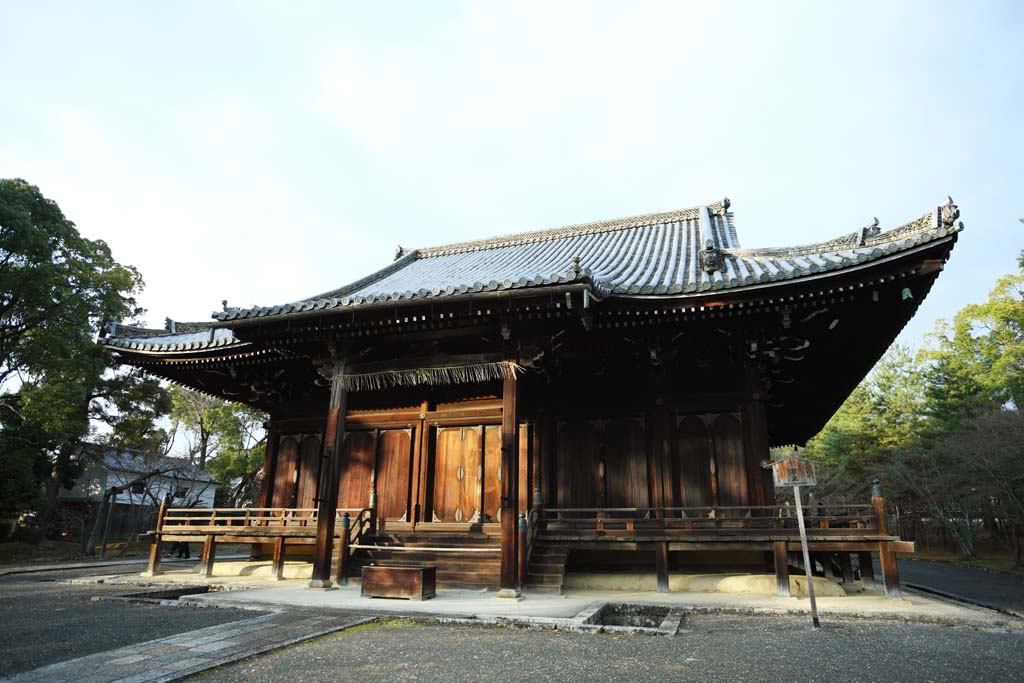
[457,474]
[625,464]
[284,477]
[578,446]
[730,465]
[693,462]
[394,462]
[309,472]
[492,473]
[357,463]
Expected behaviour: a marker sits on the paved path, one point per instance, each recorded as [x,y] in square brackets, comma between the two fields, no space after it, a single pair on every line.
[45,618]
[167,659]
[722,649]
[992,589]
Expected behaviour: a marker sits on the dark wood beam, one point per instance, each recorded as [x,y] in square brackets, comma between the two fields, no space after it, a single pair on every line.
[334,440]
[509,485]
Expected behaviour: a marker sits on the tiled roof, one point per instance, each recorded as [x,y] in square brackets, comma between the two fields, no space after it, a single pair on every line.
[690,251]
[136,462]
[197,337]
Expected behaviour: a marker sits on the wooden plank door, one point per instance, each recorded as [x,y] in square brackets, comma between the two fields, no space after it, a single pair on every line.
[625,464]
[492,473]
[692,462]
[730,465]
[578,454]
[356,478]
[457,474]
[284,477]
[309,472]
[394,468]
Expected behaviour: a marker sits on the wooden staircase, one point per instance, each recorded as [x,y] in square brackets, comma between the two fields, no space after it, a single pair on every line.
[462,561]
[547,568]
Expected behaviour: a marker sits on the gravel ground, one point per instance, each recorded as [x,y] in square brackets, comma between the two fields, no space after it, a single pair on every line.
[997,589]
[43,621]
[711,648]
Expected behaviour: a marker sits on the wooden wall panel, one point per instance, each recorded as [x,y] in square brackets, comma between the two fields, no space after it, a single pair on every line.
[394,460]
[578,446]
[692,463]
[730,462]
[309,472]
[284,476]
[525,468]
[625,463]
[457,484]
[357,465]
[492,472]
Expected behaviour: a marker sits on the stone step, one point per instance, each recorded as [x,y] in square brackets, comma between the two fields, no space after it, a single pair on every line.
[547,589]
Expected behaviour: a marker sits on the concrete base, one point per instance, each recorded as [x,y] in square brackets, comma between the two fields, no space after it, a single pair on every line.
[509,593]
[321,584]
[732,583]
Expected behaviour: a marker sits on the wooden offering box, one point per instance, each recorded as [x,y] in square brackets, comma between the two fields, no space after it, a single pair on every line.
[412,583]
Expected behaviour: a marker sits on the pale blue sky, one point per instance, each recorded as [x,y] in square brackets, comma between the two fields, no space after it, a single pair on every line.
[262,152]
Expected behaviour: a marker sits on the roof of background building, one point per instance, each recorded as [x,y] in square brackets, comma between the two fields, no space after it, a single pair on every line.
[136,462]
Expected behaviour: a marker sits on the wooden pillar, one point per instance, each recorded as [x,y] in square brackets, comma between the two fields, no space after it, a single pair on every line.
[277,566]
[509,485]
[269,467]
[890,572]
[846,562]
[781,569]
[334,440]
[521,531]
[419,468]
[341,574]
[661,562]
[156,549]
[867,569]
[209,555]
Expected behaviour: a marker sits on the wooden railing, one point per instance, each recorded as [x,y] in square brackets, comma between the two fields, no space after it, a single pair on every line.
[227,521]
[720,519]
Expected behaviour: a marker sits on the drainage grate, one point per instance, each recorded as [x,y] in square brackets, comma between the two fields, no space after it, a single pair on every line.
[619,617]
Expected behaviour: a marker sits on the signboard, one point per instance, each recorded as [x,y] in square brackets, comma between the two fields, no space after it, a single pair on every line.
[793,471]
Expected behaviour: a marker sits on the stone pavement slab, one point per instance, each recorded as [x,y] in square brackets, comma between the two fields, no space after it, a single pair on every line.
[168,659]
[486,606]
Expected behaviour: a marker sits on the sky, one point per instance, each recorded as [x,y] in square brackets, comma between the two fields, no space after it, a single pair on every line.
[263,152]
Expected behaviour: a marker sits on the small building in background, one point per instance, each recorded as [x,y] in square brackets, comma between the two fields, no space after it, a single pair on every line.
[144,481]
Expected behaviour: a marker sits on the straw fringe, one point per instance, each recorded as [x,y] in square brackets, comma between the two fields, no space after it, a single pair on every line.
[453,374]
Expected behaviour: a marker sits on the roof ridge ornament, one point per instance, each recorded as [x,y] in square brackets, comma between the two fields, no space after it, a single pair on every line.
[948,213]
[869,230]
[710,257]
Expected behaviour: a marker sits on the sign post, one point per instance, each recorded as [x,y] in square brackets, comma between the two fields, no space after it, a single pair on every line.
[796,472]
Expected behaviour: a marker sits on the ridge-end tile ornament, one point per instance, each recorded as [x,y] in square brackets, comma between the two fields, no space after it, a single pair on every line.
[710,258]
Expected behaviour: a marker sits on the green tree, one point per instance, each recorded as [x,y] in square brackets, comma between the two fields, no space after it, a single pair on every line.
[56,291]
[225,439]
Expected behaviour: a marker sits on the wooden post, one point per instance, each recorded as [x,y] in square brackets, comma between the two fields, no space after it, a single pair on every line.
[334,440]
[521,531]
[867,569]
[807,557]
[890,572]
[277,566]
[509,486]
[156,547]
[341,576]
[269,467]
[208,556]
[847,564]
[661,562]
[781,569]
